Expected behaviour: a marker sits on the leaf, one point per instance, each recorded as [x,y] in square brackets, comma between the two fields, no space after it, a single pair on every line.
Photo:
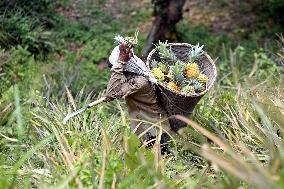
[131,161]
[133,144]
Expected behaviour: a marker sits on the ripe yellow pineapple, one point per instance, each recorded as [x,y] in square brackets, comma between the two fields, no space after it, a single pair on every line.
[202,78]
[171,85]
[191,70]
[157,72]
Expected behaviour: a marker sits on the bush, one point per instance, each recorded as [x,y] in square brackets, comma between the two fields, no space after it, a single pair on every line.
[17,28]
[43,10]
[270,9]
[25,22]
[16,68]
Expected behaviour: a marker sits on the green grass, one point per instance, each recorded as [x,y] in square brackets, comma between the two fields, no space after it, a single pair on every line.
[235,140]
[96,148]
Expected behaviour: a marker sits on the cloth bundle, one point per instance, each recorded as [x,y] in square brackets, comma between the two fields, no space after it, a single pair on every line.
[134,65]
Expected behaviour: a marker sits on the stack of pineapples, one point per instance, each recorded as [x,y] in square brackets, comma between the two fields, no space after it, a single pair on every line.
[183,77]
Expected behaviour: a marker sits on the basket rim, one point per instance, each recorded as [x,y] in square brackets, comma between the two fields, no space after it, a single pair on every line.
[186,45]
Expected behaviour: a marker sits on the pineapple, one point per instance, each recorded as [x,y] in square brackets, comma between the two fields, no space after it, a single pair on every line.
[202,78]
[163,67]
[188,90]
[191,82]
[164,52]
[177,71]
[198,87]
[173,86]
[154,64]
[191,70]
[158,74]
[195,52]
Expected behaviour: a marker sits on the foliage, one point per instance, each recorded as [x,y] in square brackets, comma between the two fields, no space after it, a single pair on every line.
[235,141]
[268,9]
[25,22]
[18,66]
[43,10]
[87,152]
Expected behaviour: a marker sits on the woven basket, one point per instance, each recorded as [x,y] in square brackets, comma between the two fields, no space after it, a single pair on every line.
[175,103]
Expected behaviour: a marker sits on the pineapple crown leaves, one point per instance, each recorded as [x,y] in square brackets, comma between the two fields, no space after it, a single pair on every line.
[130,41]
[177,71]
[164,51]
[154,64]
[191,82]
[163,67]
[195,52]
[198,87]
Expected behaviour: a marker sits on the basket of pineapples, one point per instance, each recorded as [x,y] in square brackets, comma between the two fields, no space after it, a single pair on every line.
[184,73]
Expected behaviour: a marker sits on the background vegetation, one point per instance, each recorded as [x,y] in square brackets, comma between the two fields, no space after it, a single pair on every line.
[52,60]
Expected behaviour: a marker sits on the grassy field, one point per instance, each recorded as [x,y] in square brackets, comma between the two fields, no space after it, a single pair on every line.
[52,60]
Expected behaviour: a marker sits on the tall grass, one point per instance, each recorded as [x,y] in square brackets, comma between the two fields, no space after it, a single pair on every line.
[234,138]
[234,142]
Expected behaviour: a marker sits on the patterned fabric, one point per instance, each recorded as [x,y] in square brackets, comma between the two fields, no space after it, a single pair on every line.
[134,65]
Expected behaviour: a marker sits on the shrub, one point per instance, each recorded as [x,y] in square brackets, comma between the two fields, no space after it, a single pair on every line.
[25,23]
[270,9]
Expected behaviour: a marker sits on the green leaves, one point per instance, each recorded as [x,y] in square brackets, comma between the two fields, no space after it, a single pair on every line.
[195,52]
[177,71]
[134,152]
[133,144]
[165,51]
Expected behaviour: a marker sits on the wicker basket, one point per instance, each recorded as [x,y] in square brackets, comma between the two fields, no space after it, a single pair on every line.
[175,103]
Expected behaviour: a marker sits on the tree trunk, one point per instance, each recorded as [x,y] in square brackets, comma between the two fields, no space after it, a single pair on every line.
[167,14]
